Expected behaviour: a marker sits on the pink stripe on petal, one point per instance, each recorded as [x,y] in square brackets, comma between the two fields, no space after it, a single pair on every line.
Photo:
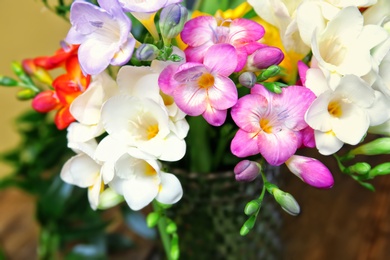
[244,30]
[221,59]
[196,54]
[223,94]
[244,144]
[277,148]
[248,111]
[199,30]
[166,82]
[191,99]
[214,116]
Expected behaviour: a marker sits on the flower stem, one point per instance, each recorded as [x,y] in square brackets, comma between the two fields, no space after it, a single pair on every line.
[162,228]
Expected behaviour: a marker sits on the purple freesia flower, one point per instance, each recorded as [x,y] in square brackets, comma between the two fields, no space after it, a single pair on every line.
[203,88]
[270,124]
[143,6]
[103,34]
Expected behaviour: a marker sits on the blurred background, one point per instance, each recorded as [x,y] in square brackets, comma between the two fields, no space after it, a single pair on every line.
[346,222]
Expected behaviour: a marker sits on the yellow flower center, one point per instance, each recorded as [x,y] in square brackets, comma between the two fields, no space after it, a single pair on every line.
[206,81]
[152,131]
[334,109]
[149,170]
[265,125]
[168,100]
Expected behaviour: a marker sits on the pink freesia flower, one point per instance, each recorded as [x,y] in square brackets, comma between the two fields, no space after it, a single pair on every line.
[270,124]
[203,88]
[310,171]
[203,32]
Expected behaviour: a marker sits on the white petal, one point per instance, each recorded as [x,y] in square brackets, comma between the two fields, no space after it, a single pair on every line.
[170,191]
[94,193]
[317,115]
[379,112]
[80,170]
[138,194]
[352,125]
[327,143]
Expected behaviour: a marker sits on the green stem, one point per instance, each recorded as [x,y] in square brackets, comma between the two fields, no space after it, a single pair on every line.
[162,228]
[48,243]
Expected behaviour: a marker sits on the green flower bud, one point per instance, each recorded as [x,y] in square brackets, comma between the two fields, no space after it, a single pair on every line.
[252,207]
[359,168]
[381,169]
[147,52]
[8,82]
[275,87]
[171,228]
[376,147]
[175,250]
[152,219]
[270,72]
[109,198]
[172,19]
[287,202]
[26,94]
[248,225]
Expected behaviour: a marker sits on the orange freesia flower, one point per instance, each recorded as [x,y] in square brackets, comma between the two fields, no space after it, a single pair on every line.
[66,87]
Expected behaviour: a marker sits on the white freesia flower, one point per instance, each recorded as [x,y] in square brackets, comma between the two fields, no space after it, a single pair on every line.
[140,181]
[83,171]
[282,15]
[378,14]
[86,108]
[344,47]
[142,123]
[358,3]
[143,82]
[344,114]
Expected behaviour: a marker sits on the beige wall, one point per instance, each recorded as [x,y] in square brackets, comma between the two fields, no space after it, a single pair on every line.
[27,30]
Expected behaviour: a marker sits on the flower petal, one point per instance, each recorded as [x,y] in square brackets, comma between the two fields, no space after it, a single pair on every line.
[170,190]
[244,144]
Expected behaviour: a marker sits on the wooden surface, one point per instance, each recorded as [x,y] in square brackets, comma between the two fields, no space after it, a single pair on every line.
[346,222]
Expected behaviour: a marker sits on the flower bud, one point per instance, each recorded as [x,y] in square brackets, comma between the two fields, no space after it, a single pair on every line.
[109,198]
[8,82]
[172,19]
[359,168]
[310,171]
[248,225]
[41,74]
[270,72]
[147,52]
[26,94]
[152,219]
[286,201]
[263,58]
[376,147]
[381,169]
[247,170]
[252,207]
[247,79]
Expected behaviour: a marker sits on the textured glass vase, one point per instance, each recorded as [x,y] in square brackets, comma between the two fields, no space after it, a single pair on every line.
[211,214]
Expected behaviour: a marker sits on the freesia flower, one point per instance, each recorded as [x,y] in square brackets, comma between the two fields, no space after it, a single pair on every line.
[141,123]
[66,88]
[86,108]
[83,171]
[203,89]
[202,32]
[310,171]
[145,6]
[343,115]
[103,34]
[344,47]
[140,181]
[270,123]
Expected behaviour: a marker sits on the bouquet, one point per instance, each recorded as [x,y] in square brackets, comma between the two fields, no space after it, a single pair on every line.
[154,92]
